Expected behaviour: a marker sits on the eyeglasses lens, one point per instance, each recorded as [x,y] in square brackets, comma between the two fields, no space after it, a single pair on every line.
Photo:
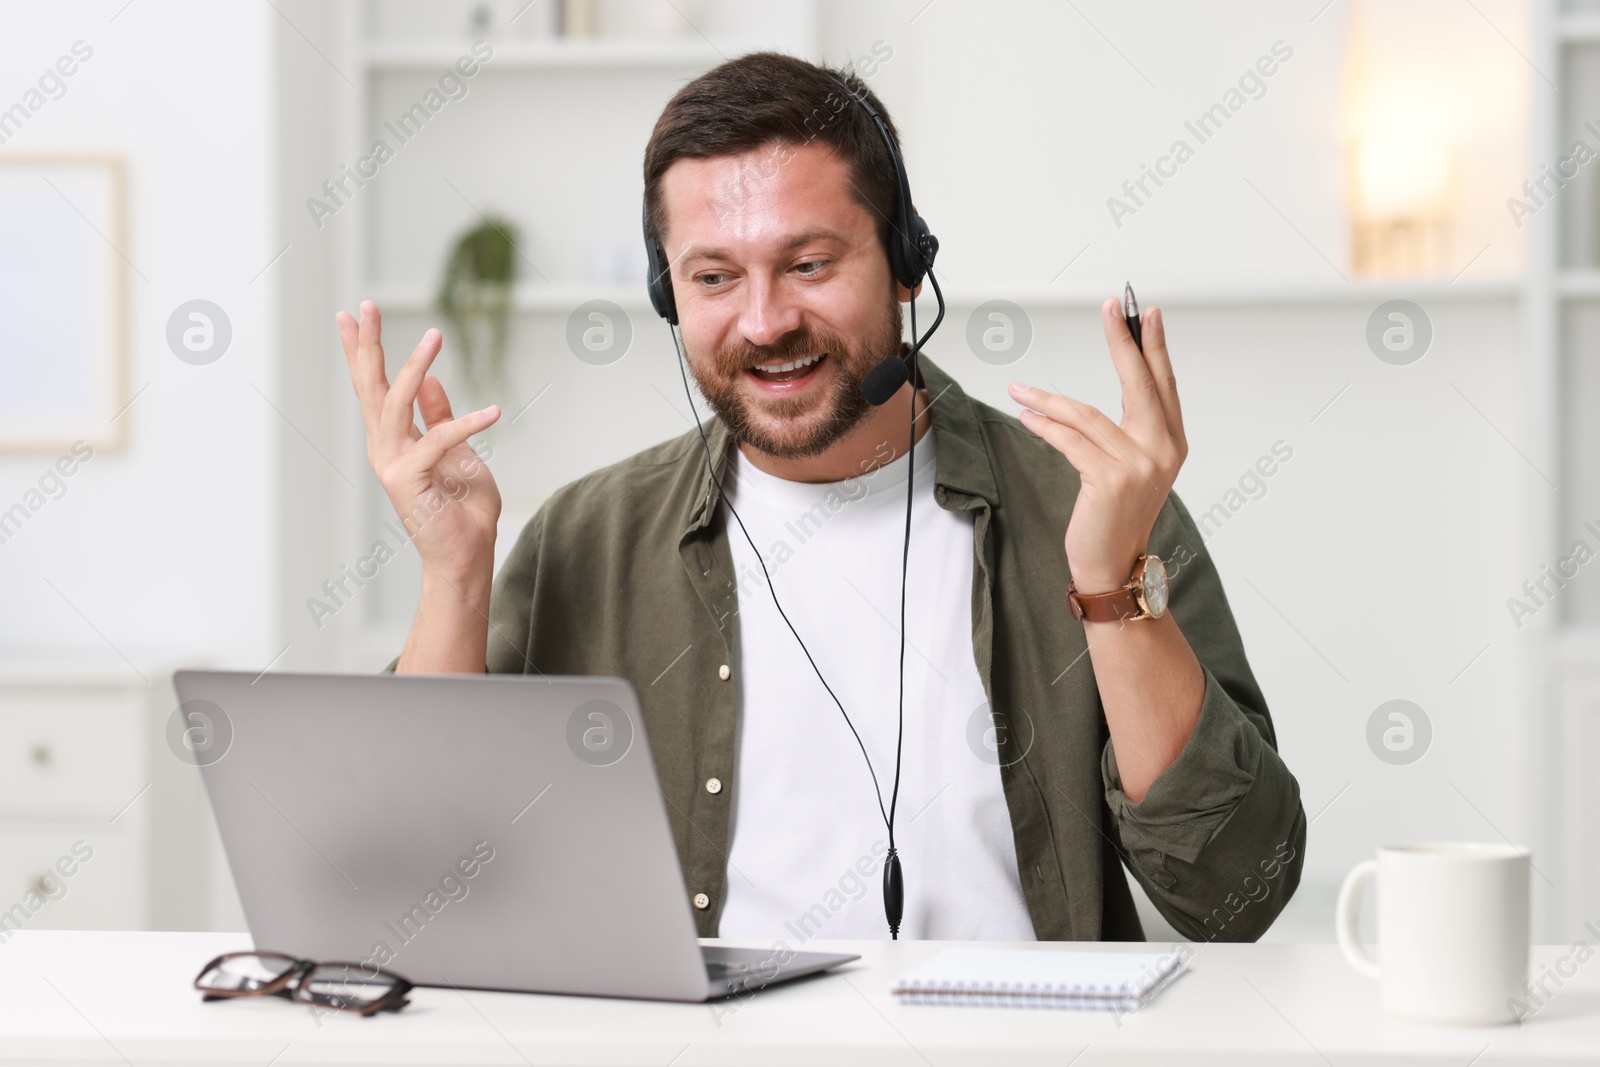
[345,987]
[244,973]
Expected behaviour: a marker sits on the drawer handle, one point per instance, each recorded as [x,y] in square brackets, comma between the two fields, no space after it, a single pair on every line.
[40,756]
[41,885]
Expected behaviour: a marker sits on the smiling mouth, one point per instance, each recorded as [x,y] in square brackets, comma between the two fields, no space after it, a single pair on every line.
[791,371]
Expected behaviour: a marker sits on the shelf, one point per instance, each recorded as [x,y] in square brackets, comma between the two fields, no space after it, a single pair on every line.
[1238,293]
[1578,283]
[560,299]
[544,55]
[537,297]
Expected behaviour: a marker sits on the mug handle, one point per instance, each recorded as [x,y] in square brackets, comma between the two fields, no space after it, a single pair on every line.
[1347,918]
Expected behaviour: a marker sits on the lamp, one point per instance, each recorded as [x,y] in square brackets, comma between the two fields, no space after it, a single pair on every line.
[1401,166]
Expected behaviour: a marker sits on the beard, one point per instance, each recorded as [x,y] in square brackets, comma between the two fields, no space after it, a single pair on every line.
[798,427]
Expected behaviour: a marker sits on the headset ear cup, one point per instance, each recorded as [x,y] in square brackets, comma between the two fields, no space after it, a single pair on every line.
[924,246]
[903,259]
[659,283]
[912,253]
[658,274]
[927,245]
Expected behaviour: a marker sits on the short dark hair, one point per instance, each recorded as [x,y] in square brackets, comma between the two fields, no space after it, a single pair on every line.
[767,97]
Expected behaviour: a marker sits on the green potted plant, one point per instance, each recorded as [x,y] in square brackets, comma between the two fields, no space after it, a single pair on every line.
[475,300]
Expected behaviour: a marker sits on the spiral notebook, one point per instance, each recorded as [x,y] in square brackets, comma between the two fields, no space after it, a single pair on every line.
[1039,978]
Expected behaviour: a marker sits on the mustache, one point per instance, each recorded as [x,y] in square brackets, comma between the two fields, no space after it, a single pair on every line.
[797,345]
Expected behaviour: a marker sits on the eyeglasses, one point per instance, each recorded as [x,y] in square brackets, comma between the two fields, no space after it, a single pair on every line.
[343,986]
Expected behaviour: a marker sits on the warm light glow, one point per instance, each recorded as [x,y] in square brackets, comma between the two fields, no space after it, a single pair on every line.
[1402,126]
[1400,176]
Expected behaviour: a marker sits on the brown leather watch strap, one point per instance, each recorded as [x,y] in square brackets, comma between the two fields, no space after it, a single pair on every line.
[1102,607]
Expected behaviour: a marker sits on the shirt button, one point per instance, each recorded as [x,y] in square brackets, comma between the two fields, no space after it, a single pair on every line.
[723,672]
[713,785]
[702,901]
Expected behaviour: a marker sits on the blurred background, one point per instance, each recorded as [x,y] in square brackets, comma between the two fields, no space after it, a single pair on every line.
[1372,228]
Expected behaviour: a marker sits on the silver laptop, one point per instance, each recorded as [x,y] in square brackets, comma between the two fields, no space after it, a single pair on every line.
[480,831]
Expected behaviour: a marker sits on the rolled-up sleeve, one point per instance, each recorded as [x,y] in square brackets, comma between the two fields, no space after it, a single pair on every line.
[1218,840]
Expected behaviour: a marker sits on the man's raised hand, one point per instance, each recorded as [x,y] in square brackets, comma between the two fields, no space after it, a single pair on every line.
[439,486]
[1126,469]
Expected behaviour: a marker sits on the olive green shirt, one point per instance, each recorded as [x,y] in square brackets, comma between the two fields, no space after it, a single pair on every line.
[626,572]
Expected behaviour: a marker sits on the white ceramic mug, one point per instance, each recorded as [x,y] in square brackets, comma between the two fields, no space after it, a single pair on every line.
[1452,929]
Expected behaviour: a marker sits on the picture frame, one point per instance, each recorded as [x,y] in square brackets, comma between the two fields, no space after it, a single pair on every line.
[63,298]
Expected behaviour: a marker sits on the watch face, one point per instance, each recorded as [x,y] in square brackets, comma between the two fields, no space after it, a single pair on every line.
[1155,586]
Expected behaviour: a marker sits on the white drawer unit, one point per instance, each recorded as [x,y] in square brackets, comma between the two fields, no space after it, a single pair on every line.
[87,809]
[70,749]
[71,877]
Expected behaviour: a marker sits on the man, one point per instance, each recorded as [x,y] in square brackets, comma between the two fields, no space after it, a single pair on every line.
[1041,751]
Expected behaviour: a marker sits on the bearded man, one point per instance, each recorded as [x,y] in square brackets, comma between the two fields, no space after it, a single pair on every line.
[1049,741]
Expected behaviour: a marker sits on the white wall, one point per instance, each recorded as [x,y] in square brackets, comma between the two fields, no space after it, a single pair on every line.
[164,552]
[166,547]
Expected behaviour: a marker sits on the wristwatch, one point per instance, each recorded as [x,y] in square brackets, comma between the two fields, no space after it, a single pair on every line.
[1144,597]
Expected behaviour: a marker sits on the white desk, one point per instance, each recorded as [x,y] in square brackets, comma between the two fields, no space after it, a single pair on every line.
[113,998]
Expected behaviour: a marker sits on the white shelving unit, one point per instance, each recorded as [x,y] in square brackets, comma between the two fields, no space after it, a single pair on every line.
[1561,670]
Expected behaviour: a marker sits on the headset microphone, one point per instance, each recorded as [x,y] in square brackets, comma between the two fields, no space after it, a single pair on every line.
[911,249]
[885,380]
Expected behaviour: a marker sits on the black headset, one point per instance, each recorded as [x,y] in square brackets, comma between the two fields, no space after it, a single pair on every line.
[911,251]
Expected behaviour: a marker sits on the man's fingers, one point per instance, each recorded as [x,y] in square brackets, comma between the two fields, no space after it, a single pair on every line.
[399,406]
[369,395]
[426,453]
[1149,388]
[433,403]
[369,349]
[349,336]
[1085,455]
[1141,397]
[1154,331]
[1085,418]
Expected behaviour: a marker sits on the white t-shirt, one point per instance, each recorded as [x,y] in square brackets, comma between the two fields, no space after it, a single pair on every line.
[807,844]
